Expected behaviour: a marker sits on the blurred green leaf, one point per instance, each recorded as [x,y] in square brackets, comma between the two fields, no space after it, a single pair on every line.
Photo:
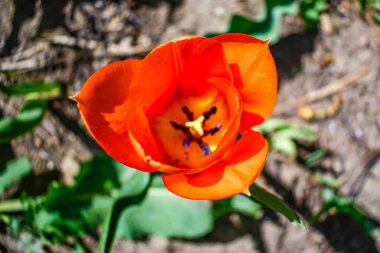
[22,89]
[273,202]
[164,214]
[73,211]
[282,135]
[326,180]
[271,125]
[283,145]
[344,205]
[297,133]
[113,216]
[310,11]
[313,157]
[243,205]
[14,170]
[267,25]
[29,116]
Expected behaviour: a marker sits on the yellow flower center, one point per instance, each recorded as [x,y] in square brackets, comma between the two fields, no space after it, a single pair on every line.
[190,129]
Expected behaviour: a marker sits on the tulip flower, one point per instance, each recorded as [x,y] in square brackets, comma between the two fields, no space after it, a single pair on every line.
[187,110]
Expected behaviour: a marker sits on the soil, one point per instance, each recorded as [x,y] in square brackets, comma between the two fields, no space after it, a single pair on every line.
[66,41]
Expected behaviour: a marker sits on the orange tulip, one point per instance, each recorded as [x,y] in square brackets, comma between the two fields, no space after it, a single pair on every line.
[179,111]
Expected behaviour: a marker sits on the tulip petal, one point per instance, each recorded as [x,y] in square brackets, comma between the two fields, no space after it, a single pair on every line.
[179,69]
[256,76]
[172,71]
[103,104]
[234,175]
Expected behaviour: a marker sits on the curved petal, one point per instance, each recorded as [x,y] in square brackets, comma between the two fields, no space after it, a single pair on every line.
[234,175]
[103,104]
[177,69]
[255,76]
[163,164]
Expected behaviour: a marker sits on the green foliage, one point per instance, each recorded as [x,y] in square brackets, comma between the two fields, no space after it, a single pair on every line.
[313,157]
[14,170]
[283,135]
[273,202]
[373,6]
[246,206]
[128,203]
[31,88]
[165,214]
[344,205]
[31,112]
[67,213]
[310,11]
[326,180]
[28,117]
[268,24]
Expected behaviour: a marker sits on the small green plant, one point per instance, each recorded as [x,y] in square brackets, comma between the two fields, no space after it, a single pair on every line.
[283,135]
[310,11]
[373,7]
[32,112]
[125,203]
[267,25]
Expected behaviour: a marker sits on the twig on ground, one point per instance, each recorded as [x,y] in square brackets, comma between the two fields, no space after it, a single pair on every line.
[334,87]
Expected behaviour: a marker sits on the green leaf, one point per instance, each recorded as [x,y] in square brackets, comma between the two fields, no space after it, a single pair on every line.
[326,180]
[73,211]
[267,25]
[113,217]
[22,89]
[14,170]
[243,205]
[164,214]
[344,205]
[271,125]
[29,116]
[275,203]
[313,157]
[297,133]
[310,11]
[283,145]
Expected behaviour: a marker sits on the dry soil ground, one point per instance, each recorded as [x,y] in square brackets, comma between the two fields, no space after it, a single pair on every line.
[66,41]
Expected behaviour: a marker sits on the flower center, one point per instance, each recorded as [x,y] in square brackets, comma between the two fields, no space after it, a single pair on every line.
[194,129]
[190,129]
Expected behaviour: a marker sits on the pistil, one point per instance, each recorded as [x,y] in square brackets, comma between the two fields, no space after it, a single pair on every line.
[196,127]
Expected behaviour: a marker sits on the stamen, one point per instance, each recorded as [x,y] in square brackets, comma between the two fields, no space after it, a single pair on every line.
[189,114]
[215,129]
[205,148]
[194,129]
[186,142]
[210,112]
[178,126]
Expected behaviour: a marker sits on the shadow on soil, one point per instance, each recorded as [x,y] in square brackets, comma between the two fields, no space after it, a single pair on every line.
[289,50]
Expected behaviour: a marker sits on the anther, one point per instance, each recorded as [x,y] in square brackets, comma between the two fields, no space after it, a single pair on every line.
[186,142]
[210,112]
[177,126]
[215,129]
[205,148]
[188,113]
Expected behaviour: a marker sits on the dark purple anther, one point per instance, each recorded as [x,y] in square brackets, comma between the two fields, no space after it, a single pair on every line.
[205,149]
[186,143]
[216,129]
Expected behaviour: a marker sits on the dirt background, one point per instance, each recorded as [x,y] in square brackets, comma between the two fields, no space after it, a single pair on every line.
[66,41]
